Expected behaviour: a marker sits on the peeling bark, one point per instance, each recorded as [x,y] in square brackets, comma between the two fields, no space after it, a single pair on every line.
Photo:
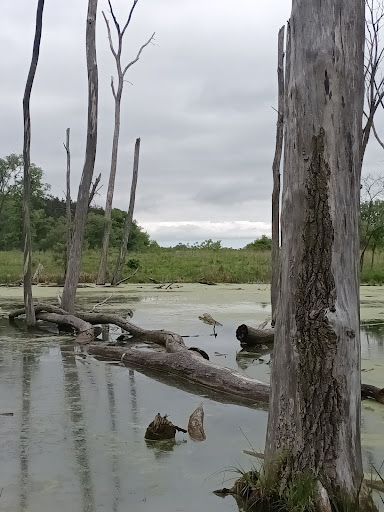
[315,400]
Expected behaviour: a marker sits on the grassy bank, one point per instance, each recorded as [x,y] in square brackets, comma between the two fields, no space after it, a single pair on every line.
[219,266]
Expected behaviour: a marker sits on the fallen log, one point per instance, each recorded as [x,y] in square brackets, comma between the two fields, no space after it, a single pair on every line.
[250,336]
[86,332]
[185,364]
[368,391]
[177,360]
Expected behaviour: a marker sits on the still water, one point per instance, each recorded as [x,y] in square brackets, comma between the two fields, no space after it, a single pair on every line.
[75,441]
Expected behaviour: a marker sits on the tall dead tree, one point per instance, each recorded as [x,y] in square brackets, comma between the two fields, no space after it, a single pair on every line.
[28,301]
[314,413]
[117,94]
[276,176]
[74,261]
[117,275]
[68,195]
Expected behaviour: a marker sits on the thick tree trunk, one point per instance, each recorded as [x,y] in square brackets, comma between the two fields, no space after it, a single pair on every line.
[74,262]
[28,301]
[276,178]
[314,411]
[68,197]
[101,277]
[117,275]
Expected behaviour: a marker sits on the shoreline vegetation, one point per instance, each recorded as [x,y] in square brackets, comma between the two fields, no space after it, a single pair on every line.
[170,265]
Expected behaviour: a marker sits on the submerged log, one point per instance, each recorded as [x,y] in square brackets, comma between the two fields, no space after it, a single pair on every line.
[161,429]
[250,336]
[196,425]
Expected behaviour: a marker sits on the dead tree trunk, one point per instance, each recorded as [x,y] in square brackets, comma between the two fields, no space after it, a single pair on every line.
[276,178]
[314,413]
[28,301]
[117,94]
[74,262]
[128,221]
[68,197]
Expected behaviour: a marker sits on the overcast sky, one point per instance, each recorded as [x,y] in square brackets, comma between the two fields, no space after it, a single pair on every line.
[200,101]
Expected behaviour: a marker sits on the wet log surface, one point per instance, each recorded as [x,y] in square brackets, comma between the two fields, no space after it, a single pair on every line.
[251,336]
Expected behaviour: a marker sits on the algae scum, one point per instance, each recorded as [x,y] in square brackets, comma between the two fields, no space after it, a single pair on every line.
[75,441]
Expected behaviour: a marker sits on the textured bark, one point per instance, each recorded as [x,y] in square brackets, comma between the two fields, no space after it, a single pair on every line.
[275,249]
[27,272]
[315,399]
[117,94]
[117,275]
[68,195]
[74,262]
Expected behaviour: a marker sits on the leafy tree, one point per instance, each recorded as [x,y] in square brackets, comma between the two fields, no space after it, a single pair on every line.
[261,244]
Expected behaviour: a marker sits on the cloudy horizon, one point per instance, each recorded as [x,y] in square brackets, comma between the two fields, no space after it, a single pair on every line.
[201,101]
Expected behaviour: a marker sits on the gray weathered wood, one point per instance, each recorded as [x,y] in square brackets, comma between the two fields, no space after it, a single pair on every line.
[275,248]
[74,261]
[68,195]
[314,411]
[27,272]
[117,275]
[117,95]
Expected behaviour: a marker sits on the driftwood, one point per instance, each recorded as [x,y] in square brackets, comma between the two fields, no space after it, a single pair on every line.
[251,336]
[161,429]
[196,425]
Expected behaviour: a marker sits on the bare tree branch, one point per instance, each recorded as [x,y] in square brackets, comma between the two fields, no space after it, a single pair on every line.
[377,136]
[129,17]
[138,55]
[109,35]
[94,190]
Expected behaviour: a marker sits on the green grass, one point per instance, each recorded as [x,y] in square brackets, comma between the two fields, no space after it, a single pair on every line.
[373,274]
[188,266]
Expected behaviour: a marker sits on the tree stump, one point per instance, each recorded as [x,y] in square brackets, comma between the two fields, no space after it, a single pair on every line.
[161,428]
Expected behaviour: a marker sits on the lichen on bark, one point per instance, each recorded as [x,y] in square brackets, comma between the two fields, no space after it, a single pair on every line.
[315,340]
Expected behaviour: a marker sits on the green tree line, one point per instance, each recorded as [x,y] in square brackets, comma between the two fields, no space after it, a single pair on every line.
[48,215]
[48,218]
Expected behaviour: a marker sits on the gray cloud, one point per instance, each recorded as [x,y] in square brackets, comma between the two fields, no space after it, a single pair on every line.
[200,101]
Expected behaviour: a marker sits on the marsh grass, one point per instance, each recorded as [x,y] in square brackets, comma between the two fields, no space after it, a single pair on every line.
[170,265]
[189,266]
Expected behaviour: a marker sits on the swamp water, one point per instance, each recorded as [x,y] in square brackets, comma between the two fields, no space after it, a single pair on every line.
[75,441]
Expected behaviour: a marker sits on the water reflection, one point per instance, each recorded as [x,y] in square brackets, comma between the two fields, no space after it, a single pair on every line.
[29,366]
[77,440]
[74,405]
[114,430]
